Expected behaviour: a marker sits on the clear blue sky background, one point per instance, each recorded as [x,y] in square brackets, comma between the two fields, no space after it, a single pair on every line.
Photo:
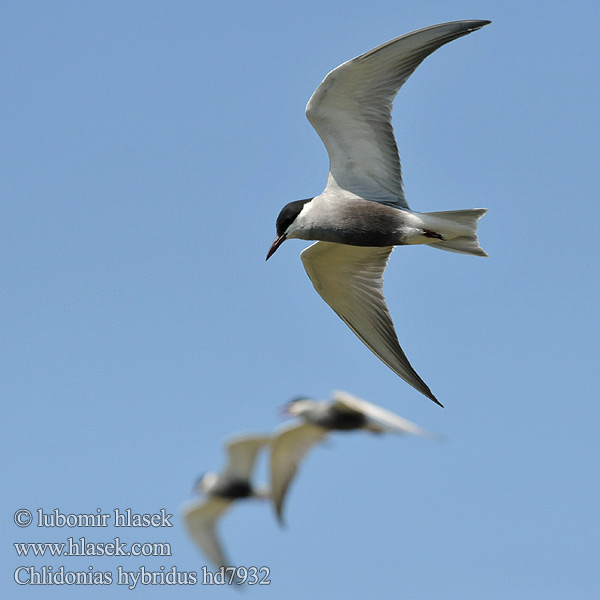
[147,148]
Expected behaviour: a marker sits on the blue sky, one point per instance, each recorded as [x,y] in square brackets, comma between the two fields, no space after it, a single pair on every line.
[147,150]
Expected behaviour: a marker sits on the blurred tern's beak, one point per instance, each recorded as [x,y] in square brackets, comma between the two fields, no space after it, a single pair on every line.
[276,243]
[284,411]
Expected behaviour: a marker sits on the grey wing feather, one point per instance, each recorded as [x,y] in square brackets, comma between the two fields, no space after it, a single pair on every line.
[351,110]
[288,449]
[200,518]
[242,452]
[350,280]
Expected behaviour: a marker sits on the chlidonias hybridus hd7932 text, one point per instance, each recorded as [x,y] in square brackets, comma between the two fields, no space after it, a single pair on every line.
[362,213]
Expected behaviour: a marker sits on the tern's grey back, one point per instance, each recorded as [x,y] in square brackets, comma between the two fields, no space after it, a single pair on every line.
[330,416]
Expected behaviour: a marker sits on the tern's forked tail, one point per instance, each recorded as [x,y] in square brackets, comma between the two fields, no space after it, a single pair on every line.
[458,229]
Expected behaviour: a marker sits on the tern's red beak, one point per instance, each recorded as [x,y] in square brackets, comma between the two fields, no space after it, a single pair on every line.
[276,243]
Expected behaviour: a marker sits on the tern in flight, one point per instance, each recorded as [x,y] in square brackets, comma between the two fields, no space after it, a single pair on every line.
[362,212]
[317,420]
[221,490]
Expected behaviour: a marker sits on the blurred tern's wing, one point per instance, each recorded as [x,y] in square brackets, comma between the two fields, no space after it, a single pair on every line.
[350,280]
[351,111]
[241,455]
[386,418]
[288,448]
[200,520]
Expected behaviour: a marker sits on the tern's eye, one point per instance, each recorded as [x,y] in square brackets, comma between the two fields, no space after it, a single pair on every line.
[283,223]
[289,213]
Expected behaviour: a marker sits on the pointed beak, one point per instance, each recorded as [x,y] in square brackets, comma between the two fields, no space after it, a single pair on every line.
[284,411]
[276,243]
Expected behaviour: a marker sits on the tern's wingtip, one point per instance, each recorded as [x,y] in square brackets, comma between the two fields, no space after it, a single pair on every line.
[281,522]
[476,24]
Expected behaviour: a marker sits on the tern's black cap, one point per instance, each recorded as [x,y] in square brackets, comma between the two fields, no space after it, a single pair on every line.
[288,214]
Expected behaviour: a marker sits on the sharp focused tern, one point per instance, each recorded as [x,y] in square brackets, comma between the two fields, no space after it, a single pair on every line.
[318,418]
[362,212]
[221,490]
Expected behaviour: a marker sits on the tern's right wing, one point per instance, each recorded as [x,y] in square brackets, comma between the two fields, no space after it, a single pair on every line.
[288,449]
[350,280]
[200,520]
[351,110]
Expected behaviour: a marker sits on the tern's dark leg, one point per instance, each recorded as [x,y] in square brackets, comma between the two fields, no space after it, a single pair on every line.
[432,234]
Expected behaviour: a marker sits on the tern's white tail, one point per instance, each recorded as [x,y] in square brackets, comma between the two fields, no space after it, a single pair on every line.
[458,228]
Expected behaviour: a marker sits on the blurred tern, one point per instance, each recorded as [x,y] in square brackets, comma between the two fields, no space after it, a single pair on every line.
[318,418]
[362,212]
[201,515]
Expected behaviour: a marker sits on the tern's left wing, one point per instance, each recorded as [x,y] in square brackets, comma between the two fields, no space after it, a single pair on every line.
[350,280]
[241,455]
